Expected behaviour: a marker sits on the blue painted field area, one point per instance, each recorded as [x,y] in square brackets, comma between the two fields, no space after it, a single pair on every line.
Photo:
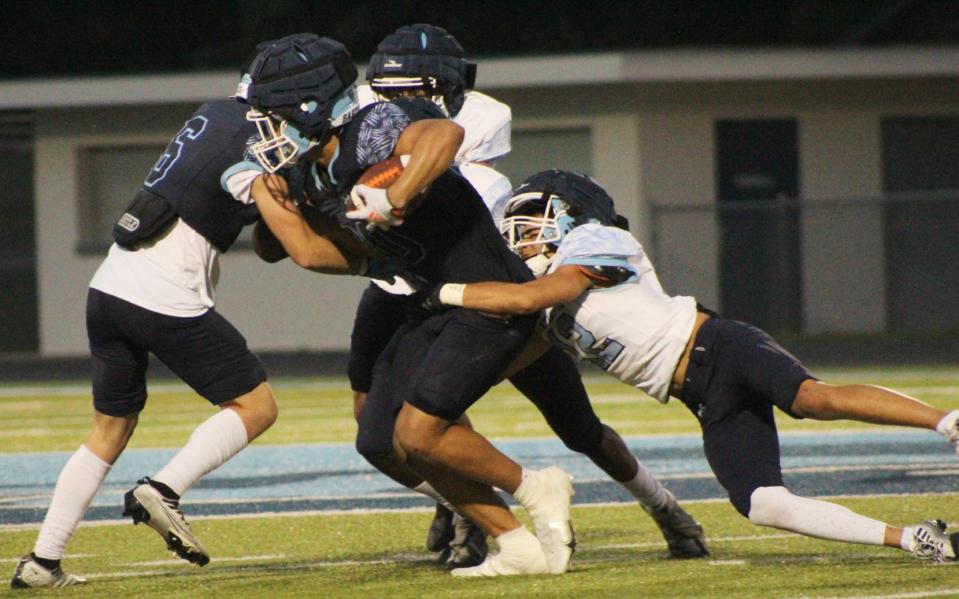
[281,478]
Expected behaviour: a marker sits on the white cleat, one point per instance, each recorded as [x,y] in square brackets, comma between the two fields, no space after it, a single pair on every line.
[548,506]
[529,562]
[931,541]
[31,575]
[146,504]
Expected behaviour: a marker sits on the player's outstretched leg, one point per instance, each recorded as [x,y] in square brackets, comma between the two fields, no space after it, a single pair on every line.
[159,508]
[31,574]
[929,540]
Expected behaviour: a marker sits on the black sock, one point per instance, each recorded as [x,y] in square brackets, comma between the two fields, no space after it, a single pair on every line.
[49,564]
[164,490]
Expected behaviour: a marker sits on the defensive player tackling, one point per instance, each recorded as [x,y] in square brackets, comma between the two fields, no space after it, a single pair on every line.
[605,304]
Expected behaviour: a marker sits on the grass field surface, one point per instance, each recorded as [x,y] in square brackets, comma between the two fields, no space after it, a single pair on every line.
[380,553]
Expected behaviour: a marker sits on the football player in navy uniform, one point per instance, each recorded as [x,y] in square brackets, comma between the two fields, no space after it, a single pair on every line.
[436,365]
[154,293]
[427,62]
[605,304]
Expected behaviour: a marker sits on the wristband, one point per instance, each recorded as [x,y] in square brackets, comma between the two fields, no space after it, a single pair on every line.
[451,294]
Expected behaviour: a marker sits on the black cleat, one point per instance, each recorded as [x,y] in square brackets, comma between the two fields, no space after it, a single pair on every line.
[684,536]
[468,547]
[441,530]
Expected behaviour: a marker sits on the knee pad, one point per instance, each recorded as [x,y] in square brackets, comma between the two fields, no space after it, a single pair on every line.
[369,444]
[766,505]
[359,370]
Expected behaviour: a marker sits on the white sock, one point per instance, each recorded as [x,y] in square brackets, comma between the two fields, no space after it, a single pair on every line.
[947,426]
[526,487]
[777,507]
[424,488]
[216,440]
[905,541]
[77,484]
[646,488]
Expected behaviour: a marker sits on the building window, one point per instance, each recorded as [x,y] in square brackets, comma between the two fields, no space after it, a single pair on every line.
[109,177]
[540,149]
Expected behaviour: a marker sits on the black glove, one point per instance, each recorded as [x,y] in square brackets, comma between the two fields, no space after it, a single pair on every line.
[430,299]
[383,269]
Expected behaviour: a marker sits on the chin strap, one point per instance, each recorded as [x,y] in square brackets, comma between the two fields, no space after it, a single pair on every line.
[539,264]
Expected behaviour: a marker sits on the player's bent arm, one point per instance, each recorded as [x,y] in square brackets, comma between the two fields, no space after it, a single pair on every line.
[267,247]
[304,246]
[564,285]
[431,144]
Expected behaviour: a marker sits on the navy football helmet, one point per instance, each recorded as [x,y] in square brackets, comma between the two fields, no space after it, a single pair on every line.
[549,204]
[422,59]
[300,88]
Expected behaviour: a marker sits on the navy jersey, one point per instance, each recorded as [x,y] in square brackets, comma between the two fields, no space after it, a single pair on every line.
[450,236]
[188,174]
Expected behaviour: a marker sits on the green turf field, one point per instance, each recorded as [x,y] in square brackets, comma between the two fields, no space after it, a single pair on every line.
[376,555]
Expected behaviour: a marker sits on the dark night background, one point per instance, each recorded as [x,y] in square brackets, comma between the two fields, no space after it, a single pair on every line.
[46,39]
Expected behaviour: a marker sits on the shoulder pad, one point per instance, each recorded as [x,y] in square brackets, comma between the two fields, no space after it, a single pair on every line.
[606,275]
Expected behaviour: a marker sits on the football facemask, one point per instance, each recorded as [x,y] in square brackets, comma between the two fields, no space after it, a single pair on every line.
[535,228]
[390,88]
[281,144]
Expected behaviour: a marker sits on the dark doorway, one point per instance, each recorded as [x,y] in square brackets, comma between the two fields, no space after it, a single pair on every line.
[758,187]
[920,158]
[18,291]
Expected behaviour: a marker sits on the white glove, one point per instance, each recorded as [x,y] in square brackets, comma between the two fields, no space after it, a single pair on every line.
[373,205]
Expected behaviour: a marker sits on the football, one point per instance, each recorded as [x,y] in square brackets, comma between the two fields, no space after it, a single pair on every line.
[382,174]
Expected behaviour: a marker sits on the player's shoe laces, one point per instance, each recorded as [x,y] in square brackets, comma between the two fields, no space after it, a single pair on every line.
[684,536]
[547,502]
[29,574]
[468,546]
[949,428]
[441,529]
[144,503]
[931,541]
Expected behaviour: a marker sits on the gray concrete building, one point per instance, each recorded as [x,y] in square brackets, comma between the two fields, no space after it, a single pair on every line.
[806,190]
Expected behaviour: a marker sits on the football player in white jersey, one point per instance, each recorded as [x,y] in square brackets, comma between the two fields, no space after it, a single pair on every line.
[425,61]
[154,293]
[603,302]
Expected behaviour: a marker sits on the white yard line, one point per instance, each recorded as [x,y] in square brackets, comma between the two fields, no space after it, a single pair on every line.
[911,595]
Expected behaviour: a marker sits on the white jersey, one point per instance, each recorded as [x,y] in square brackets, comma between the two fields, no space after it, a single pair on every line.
[487,125]
[177,274]
[634,330]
